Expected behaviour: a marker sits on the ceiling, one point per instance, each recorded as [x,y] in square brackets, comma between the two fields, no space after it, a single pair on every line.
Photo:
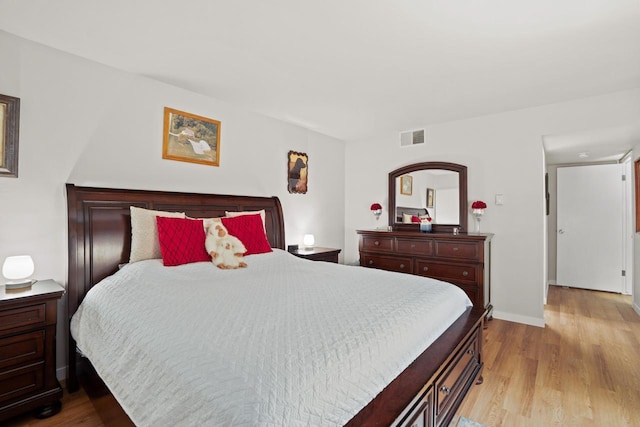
[358,68]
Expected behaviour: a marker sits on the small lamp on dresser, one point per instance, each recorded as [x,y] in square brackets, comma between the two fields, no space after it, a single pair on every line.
[18,269]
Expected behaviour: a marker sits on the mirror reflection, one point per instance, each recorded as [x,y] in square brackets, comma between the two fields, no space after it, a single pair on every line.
[434,193]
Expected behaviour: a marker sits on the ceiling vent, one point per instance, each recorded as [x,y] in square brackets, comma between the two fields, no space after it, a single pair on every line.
[412,137]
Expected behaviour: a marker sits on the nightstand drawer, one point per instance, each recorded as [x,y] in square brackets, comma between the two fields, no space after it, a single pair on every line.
[21,381]
[32,315]
[21,349]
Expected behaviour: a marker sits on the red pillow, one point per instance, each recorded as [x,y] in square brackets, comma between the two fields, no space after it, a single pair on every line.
[415,218]
[181,240]
[250,231]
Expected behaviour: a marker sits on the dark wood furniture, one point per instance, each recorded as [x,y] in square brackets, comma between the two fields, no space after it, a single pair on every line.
[462,259]
[317,254]
[28,350]
[433,386]
[438,168]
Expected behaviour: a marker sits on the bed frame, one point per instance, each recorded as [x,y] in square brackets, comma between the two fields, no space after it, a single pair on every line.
[428,392]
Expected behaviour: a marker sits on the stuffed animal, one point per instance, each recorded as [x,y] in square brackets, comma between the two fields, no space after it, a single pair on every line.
[226,250]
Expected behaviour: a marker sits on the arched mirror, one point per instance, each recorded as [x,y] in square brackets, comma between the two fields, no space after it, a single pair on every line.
[436,189]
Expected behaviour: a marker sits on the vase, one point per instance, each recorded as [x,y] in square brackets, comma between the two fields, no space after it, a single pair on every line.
[425,227]
[477,213]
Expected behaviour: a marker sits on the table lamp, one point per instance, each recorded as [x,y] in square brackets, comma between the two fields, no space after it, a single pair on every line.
[18,269]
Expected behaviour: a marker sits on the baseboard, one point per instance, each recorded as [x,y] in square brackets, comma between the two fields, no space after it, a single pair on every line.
[61,373]
[636,308]
[533,321]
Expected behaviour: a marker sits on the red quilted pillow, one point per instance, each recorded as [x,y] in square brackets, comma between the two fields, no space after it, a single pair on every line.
[181,240]
[250,230]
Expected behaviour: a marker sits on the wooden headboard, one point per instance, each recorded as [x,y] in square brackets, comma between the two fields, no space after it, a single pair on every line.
[411,211]
[100,226]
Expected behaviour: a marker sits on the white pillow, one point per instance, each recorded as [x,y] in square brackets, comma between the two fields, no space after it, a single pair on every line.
[406,218]
[261,212]
[144,233]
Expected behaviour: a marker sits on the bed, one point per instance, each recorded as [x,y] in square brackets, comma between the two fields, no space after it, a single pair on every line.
[424,389]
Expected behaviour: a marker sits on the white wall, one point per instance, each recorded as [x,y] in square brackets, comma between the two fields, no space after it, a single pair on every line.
[503,153]
[88,124]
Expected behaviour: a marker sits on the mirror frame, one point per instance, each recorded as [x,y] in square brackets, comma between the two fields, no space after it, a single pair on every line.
[437,228]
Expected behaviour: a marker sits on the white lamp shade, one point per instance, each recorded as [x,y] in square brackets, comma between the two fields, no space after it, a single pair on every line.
[309,240]
[18,267]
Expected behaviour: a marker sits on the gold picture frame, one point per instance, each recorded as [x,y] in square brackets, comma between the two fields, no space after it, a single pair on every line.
[297,172]
[9,127]
[431,197]
[406,185]
[190,138]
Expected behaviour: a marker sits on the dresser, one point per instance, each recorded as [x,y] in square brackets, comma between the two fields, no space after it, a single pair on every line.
[28,350]
[461,259]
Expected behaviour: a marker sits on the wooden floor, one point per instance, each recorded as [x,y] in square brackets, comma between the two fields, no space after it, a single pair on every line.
[583,369]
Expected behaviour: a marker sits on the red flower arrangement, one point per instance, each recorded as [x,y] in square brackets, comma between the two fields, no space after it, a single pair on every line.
[376,207]
[479,204]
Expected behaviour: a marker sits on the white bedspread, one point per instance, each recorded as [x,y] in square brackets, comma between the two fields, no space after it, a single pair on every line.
[284,342]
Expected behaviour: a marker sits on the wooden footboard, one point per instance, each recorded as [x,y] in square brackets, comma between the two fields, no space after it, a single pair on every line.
[431,389]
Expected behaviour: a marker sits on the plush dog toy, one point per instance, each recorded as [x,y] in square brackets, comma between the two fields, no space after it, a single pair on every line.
[226,250]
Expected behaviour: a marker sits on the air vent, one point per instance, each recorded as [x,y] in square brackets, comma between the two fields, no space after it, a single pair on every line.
[412,137]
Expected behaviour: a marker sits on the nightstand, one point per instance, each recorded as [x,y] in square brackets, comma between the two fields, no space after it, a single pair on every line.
[28,350]
[318,254]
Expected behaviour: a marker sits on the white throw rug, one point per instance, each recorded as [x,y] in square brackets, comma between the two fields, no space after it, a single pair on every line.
[466,422]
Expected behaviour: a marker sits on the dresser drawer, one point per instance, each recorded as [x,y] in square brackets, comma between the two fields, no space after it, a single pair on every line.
[459,273]
[33,315]
[377,243]
[21,381]
[21,349]
[451,383]
[414,247]
[399,264]
[462,250]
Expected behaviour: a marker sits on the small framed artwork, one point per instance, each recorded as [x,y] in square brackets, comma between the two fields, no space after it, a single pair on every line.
[190,138]
[431,197]
[9,126]
[297,172]
[406,185]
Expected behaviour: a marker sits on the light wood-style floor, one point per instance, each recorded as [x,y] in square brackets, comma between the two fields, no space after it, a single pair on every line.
[583,369]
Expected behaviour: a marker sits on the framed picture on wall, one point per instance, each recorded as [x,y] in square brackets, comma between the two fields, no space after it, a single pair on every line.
[406,185]
[9,126]
[431,197]
[297,172]
[190,138]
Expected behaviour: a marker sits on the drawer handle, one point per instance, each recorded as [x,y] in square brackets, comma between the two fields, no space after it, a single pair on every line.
[401,266]
[376,243]
[445,390]
[465,273]
[425,268]
[456,248]
[370,262]
[471,352]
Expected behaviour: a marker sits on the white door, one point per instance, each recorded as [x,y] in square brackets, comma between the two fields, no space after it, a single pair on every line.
[590,227]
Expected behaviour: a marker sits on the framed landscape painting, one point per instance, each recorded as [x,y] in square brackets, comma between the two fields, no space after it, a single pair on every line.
[9,126]
[190,138]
